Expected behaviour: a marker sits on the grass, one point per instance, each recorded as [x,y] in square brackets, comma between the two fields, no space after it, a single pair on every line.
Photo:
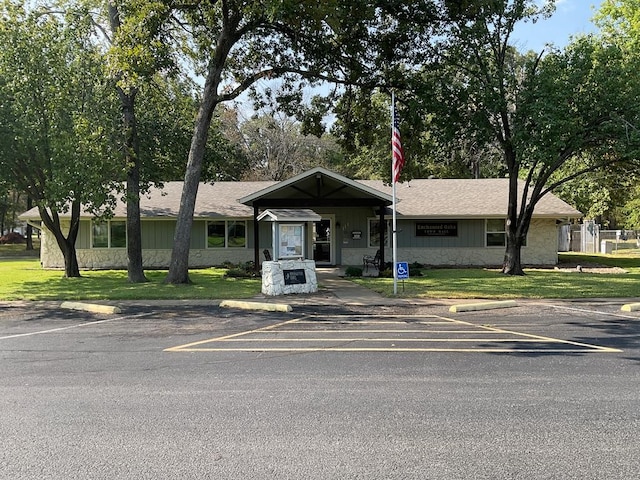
[24,279]
[537,283]
[19,250]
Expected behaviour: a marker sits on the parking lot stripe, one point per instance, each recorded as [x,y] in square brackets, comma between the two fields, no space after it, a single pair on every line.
[186,347]
[487,334]
[388,350]
[69,327]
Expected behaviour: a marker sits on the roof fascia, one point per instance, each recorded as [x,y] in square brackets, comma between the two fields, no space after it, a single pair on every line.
[248,199]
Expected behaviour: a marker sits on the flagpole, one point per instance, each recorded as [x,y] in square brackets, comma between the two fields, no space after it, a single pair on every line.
[393,208]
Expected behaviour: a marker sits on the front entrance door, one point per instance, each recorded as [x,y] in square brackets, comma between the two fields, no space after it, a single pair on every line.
[322,242]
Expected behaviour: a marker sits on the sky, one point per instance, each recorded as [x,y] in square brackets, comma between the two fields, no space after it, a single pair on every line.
[572,17]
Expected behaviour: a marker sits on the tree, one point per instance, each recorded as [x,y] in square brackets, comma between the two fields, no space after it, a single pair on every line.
[603,195]
[53,129]
[238,43]
[132,69]
[131,156]
[277,149]
[546,111]
[155,104]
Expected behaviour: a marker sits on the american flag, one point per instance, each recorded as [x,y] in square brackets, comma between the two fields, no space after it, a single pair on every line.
[396,146]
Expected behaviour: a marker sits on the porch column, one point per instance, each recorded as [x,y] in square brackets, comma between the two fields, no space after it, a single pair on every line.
[383,227]
[256,238]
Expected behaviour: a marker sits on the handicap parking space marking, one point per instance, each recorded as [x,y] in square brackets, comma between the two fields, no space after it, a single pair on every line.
[423,333]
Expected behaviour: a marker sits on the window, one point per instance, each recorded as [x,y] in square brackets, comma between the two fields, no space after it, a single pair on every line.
[374,232]
[216,234]
[497,233]
[109,234]
[237,234]
[226,234]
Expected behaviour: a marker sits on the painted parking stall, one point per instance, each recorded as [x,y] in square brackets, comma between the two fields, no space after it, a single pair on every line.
[386,333]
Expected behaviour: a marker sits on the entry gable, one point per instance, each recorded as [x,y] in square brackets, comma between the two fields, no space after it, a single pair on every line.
[290,215]
[315,187]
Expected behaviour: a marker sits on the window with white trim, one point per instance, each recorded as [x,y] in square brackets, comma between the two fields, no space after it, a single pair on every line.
[496,233]
[374,232]
[109,234]
[226,234]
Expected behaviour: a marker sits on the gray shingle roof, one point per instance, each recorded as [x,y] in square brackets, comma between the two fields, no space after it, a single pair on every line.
[425,198]
[459,198]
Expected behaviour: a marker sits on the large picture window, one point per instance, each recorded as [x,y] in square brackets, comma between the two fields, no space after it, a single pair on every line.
[109,234]
[374,232]
[226,234]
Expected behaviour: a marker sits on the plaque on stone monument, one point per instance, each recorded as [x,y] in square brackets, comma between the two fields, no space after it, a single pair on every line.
[294,277]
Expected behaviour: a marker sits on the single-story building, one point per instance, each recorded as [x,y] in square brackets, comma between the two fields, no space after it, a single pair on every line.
[323,216]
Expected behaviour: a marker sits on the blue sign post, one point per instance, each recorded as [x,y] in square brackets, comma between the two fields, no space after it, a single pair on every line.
[402,272]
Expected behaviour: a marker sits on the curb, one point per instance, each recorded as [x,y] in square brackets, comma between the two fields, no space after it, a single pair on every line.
[630,307]
[472,307]
[270,307]
[90,307]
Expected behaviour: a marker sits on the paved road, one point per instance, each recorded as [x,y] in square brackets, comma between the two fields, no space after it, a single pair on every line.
[540,391]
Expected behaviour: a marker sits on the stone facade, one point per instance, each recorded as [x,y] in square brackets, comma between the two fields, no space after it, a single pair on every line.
[273,277]
[116,258]
[541,249]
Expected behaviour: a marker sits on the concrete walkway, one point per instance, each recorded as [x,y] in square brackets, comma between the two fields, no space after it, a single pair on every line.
[350,293]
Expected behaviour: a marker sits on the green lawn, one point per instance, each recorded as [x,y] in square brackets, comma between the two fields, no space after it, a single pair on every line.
[19,250]
[538,283]
[23,279]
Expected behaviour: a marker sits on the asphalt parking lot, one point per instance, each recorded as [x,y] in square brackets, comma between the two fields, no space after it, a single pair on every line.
[543,390]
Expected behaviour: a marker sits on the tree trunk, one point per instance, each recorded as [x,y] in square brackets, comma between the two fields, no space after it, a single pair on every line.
[66,244]
[512,264]
[71,269]
[135,270]
[179,265]
[29,227]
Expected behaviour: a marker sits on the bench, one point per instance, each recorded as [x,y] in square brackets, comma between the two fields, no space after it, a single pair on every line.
[373,260]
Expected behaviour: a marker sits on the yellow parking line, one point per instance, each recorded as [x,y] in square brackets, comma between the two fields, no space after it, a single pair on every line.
[376,331]
[188,346]
[392,340]
[521,338]
[545,339]
[389,350]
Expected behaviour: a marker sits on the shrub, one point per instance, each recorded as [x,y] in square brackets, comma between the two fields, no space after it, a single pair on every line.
[243,270]
[238,273]
[353,272]
[387,272]
[12,238]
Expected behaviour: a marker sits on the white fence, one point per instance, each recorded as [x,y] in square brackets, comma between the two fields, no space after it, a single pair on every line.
[589,238]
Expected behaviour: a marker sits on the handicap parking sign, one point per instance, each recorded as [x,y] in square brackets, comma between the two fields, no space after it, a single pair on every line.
[402,270]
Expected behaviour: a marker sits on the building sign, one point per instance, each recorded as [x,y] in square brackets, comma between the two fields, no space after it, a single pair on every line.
[436,229]
[294,277]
